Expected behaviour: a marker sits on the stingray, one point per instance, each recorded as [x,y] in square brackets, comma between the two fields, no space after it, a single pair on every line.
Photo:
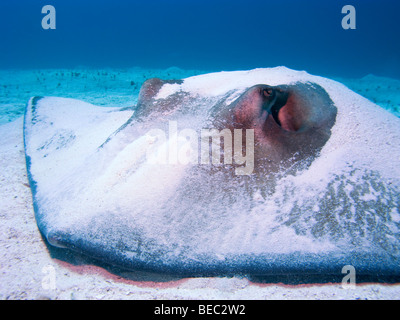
[260,172]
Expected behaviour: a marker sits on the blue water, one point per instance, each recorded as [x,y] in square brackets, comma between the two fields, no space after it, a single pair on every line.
[207,35]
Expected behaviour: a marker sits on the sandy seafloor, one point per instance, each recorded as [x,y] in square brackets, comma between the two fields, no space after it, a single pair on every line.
[29,270]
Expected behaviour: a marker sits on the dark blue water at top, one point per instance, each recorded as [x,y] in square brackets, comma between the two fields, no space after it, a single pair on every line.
[207,35]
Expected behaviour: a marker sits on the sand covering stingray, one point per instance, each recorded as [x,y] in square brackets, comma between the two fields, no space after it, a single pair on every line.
[333,202]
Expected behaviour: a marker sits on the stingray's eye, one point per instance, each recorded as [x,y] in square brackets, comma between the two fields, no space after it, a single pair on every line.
[267,92]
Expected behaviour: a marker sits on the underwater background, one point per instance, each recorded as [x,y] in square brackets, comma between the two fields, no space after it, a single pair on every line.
[101,51]
[204,34]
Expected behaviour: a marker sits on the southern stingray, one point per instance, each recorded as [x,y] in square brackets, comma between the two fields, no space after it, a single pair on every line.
[268,171]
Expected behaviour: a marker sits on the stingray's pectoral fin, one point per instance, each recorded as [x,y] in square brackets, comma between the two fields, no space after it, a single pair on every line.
[57,239]
[59,135]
